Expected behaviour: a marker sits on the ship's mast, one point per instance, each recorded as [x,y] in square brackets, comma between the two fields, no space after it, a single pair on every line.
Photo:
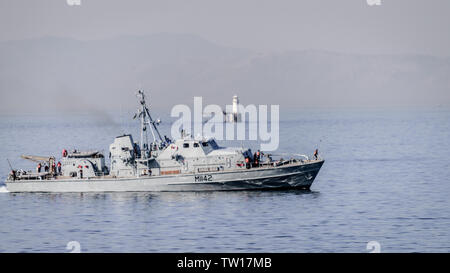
[146,121]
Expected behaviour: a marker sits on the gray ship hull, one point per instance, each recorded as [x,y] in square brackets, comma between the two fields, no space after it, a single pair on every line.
[296,175]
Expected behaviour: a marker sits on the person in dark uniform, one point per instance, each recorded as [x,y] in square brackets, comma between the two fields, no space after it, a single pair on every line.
[247,163]
[316,154]
[13,174]
[256,157]
[59,167]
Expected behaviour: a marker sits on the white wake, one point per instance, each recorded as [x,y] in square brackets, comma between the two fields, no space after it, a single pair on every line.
[3,189]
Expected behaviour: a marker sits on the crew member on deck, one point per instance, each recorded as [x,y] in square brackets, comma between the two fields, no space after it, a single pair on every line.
[255,160]
[13,175]
[80,171]
[38,168]
[59,167]
[316,154]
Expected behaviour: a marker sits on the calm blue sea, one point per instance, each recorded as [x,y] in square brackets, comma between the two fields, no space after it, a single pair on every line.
[386,178]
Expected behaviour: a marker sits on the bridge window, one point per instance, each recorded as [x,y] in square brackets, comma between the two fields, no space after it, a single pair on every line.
[196,145]
[205,144]
[214,144]
[186,145]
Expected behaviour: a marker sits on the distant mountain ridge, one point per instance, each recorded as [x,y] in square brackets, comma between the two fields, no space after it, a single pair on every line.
[65,74]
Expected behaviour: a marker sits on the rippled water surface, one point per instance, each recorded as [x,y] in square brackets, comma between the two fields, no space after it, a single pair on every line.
[385,179]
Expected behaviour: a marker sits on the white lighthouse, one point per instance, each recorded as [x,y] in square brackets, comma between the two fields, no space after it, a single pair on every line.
[234,116]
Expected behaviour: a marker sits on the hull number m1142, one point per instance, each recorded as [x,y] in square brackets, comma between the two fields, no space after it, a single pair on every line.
[203,178]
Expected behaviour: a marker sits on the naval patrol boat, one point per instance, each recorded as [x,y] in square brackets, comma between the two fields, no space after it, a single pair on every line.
[185,164]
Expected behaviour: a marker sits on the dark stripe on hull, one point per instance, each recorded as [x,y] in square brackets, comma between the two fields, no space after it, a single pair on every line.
[299,180]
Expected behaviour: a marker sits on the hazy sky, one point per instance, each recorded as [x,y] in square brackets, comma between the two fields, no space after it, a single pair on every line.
[266,51]
[352,26]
